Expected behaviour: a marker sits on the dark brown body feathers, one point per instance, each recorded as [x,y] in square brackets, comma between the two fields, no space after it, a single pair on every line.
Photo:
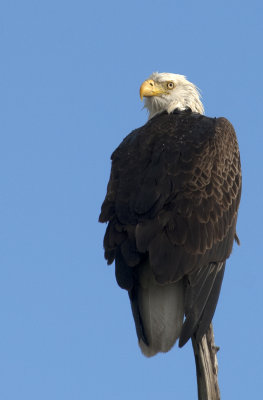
[172,198]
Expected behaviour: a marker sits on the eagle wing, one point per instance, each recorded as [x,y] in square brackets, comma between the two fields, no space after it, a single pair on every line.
[172,198]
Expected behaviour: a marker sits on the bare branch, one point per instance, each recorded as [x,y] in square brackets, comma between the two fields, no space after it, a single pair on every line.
[206,366]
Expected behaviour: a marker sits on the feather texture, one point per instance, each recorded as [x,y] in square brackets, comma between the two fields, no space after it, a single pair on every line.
[155,305]
[171,204]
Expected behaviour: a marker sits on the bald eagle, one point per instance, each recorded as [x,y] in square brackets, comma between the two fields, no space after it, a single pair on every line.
[171,206]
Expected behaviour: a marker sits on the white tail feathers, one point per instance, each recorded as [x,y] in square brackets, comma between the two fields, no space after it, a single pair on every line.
[162,312]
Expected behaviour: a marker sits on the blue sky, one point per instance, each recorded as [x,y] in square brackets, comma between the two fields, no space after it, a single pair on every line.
[69,76]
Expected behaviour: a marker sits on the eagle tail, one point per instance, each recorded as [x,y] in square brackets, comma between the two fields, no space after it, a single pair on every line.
[158,312]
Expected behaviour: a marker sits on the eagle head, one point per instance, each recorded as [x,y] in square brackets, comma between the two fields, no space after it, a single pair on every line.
[166,92]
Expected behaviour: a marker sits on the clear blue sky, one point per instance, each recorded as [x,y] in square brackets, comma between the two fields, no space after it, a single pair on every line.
[70,72]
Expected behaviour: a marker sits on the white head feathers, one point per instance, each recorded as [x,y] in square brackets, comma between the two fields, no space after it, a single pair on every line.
[171,91]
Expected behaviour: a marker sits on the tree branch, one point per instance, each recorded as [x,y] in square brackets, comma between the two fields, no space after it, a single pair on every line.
[206,366]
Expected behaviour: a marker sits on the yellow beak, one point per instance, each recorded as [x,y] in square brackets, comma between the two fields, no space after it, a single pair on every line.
[150,88]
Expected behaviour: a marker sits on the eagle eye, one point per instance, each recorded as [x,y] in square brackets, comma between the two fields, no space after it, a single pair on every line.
[170,85]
